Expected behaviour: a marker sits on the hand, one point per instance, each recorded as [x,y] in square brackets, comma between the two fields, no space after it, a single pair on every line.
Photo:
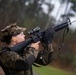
[48,36]
[35,45]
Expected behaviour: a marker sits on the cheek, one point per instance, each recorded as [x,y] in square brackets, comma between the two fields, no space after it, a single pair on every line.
[20,39]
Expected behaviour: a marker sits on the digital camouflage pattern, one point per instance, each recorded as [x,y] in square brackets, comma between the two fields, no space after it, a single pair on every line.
[45,56]
[8,58]
[12,29]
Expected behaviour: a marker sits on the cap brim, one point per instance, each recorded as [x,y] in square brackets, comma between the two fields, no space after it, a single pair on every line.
[23,29]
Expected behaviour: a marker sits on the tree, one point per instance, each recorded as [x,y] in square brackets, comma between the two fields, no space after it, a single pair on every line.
[74,4]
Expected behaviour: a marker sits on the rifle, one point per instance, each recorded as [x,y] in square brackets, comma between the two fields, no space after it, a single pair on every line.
[37,35]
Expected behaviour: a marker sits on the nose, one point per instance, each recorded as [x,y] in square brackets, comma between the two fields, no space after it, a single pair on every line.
[24,35]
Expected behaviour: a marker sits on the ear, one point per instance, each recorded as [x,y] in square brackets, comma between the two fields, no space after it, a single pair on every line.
[14,38]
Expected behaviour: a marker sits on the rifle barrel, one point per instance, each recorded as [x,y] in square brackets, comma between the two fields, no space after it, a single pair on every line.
[60,27]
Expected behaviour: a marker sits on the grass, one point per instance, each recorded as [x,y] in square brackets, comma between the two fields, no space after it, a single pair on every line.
[50,71]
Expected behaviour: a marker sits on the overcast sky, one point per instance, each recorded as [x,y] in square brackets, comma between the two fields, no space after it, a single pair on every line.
[55,10]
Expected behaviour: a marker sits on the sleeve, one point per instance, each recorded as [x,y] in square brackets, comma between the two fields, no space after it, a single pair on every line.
[30,50]
[13,60]
[45,56]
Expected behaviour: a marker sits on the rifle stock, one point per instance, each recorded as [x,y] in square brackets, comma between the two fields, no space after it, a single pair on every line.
[20,46]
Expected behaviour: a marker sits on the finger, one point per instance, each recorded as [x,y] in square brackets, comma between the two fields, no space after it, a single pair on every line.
[38,42]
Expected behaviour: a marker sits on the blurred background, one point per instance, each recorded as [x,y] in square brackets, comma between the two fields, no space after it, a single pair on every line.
[45,13]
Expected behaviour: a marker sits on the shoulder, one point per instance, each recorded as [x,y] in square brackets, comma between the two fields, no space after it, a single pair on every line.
[2,49]
[6,50]
[8,55]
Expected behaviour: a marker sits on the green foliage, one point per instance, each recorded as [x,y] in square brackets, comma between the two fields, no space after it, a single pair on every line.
[66,58]
[10,11]
[25,12]
[74,61]
[28,13]
[74,4]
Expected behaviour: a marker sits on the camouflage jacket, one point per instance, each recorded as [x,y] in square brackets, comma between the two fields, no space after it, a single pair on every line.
[45,56]
[16,64]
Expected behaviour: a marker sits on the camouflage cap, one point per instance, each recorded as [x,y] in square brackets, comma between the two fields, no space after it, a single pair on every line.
[12,29]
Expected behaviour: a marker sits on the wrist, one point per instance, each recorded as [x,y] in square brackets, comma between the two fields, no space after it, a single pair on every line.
[33,51]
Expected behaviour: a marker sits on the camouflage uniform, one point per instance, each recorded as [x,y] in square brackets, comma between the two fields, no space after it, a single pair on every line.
[45,56]
[9,59]
[19,64]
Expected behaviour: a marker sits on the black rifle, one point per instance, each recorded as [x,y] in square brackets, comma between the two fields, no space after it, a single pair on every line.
[37,35]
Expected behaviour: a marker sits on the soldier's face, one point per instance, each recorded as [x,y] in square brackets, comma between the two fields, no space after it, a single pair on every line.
[20,37]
